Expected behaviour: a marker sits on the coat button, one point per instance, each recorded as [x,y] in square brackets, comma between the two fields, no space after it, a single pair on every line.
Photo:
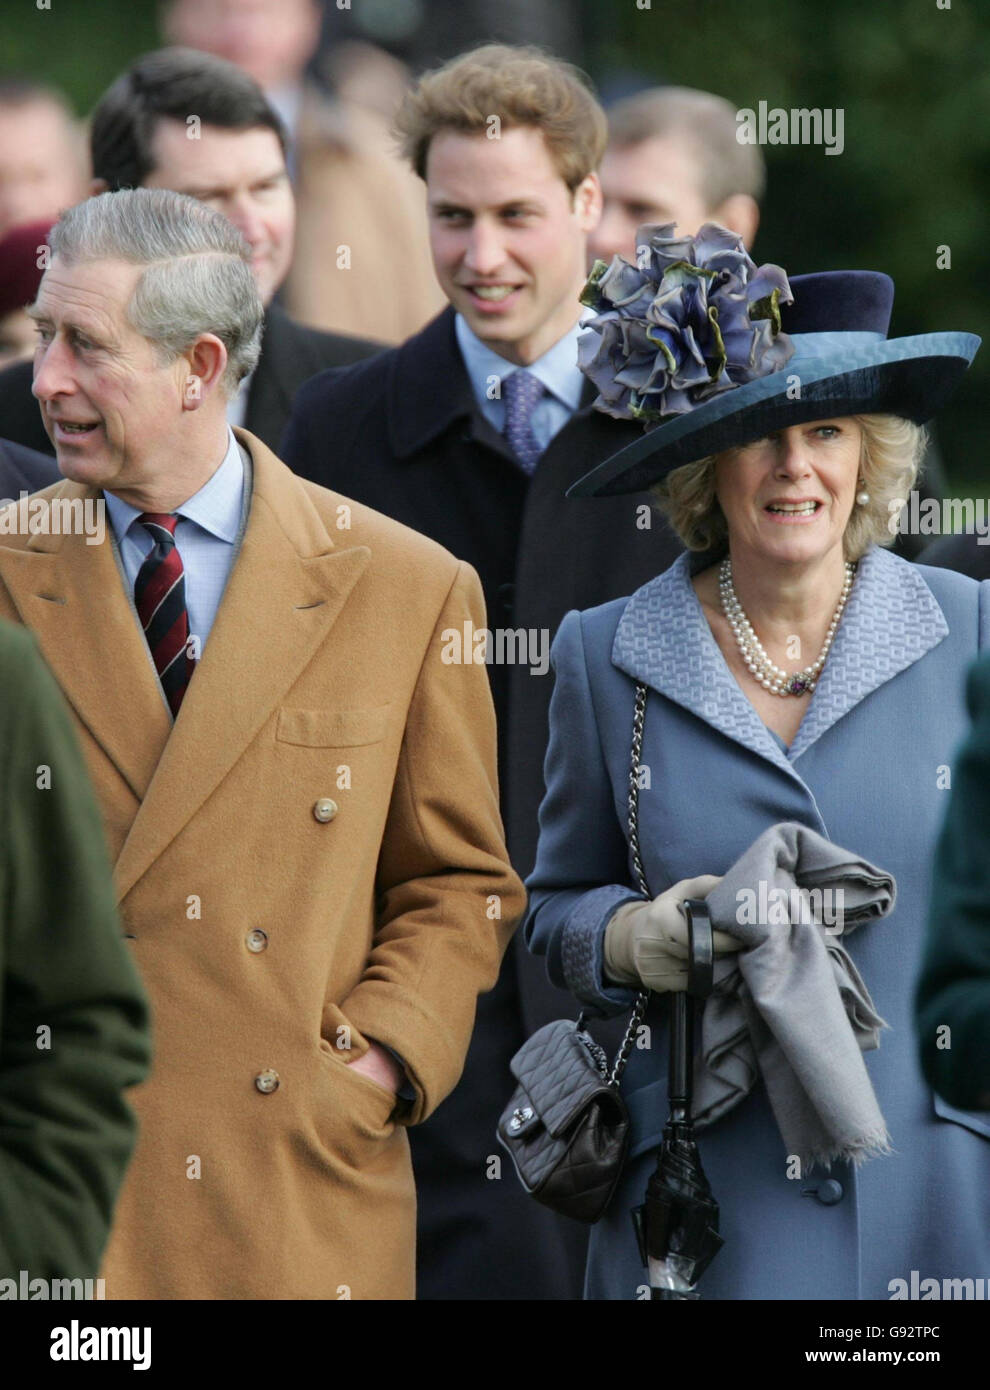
[256,940]
[266,1081]
[325,809]
[828,1192]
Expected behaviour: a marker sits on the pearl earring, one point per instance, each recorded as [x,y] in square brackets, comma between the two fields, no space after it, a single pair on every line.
[862,498]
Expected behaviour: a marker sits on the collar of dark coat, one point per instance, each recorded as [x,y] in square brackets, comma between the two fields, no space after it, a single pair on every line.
[430,390]
[275,363]
[663,639]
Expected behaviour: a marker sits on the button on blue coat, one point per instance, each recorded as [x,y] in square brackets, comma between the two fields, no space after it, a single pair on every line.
[870,768]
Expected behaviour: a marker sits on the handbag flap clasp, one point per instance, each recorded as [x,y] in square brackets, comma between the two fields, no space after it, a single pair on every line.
[559,1076]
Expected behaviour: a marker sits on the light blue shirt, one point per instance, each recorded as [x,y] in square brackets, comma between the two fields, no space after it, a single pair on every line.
[205,536]
[557,369]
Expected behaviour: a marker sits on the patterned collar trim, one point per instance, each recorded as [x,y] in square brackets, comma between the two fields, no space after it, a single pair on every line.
[892,620]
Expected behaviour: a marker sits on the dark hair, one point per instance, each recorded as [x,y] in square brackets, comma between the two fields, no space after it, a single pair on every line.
[170,84]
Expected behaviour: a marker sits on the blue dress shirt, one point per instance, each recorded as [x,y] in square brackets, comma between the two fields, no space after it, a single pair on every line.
[557,369]
[206,536]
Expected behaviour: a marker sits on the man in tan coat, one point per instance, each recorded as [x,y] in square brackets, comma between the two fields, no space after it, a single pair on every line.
[298,789]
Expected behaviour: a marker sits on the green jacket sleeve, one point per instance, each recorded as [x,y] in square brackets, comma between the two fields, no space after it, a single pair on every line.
[954,990]
[73,1016]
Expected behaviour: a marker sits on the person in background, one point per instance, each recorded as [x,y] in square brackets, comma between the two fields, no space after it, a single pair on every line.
[23,470]
[73,1016]
[673,156]
[482,467]
[42,153]
[362,262]
[966,552]
[299,792]
[139,137]
[953,1000]
[23,251]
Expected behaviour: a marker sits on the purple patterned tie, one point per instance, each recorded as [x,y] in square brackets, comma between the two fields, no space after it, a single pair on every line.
[522,392]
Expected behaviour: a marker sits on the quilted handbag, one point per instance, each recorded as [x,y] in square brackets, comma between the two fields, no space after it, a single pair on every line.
[566,1126]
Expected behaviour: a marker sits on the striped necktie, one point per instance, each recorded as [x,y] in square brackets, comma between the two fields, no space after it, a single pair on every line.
[160,599]
[522,392]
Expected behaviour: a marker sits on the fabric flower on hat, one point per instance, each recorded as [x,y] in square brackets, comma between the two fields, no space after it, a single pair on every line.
[695,316]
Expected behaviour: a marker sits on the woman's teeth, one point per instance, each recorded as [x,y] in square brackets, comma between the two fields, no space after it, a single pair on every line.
[797,508]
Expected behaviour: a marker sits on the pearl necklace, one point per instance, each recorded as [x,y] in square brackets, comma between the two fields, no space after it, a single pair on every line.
[759,665]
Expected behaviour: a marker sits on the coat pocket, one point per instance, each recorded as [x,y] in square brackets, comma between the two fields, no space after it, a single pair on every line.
[359,1101]
[326,728]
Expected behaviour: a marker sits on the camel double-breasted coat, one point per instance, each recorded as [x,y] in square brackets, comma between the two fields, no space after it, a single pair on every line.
[310,857]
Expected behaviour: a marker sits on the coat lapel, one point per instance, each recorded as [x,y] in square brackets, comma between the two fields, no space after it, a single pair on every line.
[71,595]
[663,639]
[891,621]
[417,412]
[285,591]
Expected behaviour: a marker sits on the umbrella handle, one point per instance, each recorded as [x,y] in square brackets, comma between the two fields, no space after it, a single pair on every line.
[679,1085]
[701,948]
[701,965]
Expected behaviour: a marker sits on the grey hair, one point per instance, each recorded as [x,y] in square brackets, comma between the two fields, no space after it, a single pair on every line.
[198,277]
[891,454]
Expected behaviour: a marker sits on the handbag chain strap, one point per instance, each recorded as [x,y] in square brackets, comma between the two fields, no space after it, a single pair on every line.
[643,997]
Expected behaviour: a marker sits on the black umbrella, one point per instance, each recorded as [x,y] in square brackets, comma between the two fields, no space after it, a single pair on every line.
[677,1226]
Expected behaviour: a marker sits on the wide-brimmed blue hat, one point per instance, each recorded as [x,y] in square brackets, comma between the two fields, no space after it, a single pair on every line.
[823,354]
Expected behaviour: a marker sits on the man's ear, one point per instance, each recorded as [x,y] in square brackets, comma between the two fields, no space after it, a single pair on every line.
[588,202]
[741,214]
[204,364]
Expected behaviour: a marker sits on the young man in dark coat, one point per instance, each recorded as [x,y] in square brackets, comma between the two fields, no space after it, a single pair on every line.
[234,160]
[472,432]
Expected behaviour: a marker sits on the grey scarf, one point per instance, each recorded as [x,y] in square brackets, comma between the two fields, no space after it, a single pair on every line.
[791,1007]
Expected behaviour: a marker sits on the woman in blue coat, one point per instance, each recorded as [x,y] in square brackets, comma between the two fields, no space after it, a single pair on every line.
[796,671]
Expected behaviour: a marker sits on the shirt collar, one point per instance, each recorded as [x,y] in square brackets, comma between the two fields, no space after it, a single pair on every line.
[557,368]
[287,101]
[216,507]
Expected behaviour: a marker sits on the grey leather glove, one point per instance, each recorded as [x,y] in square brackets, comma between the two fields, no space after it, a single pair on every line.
[646,944]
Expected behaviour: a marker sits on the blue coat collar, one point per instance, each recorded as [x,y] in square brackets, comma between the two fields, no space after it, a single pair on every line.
[663,639]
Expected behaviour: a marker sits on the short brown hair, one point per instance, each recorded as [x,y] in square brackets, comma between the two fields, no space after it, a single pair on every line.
[706,124]
[522,86]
